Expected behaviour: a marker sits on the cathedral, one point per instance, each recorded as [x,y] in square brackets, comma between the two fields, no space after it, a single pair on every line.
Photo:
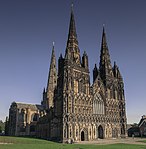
[73,108]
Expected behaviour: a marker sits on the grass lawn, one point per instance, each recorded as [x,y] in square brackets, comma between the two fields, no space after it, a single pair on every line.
[29,143]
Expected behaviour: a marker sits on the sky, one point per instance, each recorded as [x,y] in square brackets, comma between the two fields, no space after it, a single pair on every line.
[29,27]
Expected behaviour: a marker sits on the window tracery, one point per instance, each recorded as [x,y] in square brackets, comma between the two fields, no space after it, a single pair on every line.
[98,105]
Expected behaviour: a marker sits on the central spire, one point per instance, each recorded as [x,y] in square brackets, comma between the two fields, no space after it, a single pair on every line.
[72,36]
[72,49]
[105,66]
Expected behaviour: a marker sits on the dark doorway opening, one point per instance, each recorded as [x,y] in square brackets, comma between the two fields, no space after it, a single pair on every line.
[123,129]
[82,136]
[100,132]
[114,133]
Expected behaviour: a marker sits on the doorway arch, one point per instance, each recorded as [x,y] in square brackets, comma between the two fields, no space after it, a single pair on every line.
[100,132]
[82,136]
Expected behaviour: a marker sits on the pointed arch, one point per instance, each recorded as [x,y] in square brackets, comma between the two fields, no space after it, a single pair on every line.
[100,132]
[34,117]
[84,134]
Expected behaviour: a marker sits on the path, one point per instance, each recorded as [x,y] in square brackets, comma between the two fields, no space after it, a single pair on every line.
[114,141]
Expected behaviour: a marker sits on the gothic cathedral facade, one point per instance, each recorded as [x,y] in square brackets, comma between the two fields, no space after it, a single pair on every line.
[72,107]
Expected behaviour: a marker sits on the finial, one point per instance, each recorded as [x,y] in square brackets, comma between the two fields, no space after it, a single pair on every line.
[53,43]
[72,5]
[103,27]
[85,52]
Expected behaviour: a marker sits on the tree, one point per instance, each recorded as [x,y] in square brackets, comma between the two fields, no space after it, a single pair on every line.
[2,126]
[0,129]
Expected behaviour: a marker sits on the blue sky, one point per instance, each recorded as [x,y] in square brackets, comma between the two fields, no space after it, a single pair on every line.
[28,28]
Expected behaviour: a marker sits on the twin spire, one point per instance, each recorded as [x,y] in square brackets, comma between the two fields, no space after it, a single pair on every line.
[73,52]
[104,57]
[52,82]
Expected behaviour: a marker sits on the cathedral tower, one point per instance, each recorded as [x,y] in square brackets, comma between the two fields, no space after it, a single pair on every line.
[73,81]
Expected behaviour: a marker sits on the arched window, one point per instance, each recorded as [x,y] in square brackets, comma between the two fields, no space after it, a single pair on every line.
[94,132]
[98,104]
[82,86]
[70,131]
[34,117]
[76,132]
[22,116]
[65,130]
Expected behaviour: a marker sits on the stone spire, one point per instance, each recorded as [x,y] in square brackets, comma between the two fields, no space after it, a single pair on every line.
[116,72]
[72,49]
[105,66]
[95,73]
[52,80]
[85,60]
